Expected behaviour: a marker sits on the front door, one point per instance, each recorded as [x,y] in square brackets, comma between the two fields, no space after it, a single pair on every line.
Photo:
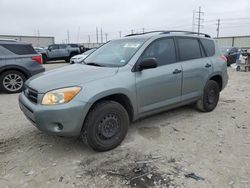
[161,86]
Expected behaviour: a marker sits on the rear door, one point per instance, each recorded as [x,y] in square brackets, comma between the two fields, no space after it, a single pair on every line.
[196,67]
[161,86]
[63,50]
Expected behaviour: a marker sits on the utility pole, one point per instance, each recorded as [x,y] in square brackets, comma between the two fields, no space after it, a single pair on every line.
[193,23]
[106,37]
[143,30]
[132,31]
[68,36]
[218,28]
[97,41]
[101,36]
[38,37]
[120,34]
[200,13]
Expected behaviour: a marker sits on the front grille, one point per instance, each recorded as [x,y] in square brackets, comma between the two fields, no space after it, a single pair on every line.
[31,94]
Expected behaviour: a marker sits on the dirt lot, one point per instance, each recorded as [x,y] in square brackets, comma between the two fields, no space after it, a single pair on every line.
[158,151]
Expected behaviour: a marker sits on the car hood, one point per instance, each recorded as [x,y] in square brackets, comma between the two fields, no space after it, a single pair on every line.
[72,75]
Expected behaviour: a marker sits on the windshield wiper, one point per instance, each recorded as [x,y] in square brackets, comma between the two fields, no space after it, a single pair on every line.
[94,64]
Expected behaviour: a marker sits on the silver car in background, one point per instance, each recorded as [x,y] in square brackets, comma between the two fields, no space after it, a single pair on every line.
[79,58]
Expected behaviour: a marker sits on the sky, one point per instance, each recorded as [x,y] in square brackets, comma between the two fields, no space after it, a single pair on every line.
[78,19]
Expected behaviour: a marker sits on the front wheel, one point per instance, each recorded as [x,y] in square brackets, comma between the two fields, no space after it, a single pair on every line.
[12,81]
[210,98]
[105,126]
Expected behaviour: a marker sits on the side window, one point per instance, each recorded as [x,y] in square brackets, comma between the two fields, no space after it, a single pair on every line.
[20,49]
[63,46]
[54,47]
[163,50]
[208,46]
[189,48]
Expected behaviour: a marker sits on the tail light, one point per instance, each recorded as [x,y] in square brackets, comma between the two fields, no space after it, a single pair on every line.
[224,58]
[38,59]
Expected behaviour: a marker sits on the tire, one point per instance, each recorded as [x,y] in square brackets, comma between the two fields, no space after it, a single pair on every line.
[45,59]
[238,68]
[210,98]
[106,126]
[12,81]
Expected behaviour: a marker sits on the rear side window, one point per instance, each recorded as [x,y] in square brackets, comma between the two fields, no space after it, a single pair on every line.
[208,46]
[63,46]
[163,50]
[20,49]
[189,48]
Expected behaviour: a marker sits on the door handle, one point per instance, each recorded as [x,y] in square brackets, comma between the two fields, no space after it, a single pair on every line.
[208,65]
[177,71]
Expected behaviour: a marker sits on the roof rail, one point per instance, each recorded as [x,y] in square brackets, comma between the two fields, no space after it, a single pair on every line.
[161,31]
[186,32]
[170,31]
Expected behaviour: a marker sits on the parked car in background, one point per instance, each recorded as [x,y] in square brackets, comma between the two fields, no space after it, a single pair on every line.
[79,58]
[18,62]
[40,50]
[60,52]
[124,80]
[231,53]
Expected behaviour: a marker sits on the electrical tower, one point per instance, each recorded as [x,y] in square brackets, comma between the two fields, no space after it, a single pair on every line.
[97,41]
[200,14]
[101,36]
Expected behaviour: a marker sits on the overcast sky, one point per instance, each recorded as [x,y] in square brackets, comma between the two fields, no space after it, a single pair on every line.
[81,17]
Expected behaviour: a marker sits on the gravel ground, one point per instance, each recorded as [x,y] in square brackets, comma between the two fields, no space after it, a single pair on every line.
[158,151]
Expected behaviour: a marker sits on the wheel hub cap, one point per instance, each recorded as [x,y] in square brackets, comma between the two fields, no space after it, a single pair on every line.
[211,97]
[109,126]
[12,82]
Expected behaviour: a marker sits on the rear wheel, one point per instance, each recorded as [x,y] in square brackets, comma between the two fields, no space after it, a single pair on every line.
[210,98]
[12,81]
[106,126]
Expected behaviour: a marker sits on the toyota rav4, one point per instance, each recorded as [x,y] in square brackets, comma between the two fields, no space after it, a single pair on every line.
[124,80]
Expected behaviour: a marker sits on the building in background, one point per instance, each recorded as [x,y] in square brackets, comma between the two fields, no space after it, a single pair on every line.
[236,41]
[36,41]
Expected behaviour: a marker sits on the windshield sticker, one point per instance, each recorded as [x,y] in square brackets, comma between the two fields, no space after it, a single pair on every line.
[131,45]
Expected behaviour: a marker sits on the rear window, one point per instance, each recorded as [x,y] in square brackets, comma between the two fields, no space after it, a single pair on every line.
[208,46]
[189,48]
[20,49]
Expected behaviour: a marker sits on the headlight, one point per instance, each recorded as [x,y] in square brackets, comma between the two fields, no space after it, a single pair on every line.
[60,96]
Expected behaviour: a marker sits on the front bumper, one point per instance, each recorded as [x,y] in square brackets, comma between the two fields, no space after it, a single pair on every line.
[64,119]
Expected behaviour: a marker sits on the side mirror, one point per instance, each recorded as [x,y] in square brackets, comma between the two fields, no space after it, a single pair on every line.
[49,49]
[147,63]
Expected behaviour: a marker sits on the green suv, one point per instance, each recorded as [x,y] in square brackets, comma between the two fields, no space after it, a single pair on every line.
[124,80]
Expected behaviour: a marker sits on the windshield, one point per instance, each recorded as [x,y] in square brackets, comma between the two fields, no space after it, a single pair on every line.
[115,53]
